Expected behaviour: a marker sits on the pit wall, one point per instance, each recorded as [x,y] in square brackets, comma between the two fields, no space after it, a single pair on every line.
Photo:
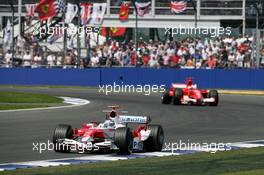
[244,79]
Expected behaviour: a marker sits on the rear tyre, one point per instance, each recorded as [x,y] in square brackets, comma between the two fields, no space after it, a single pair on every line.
[123,140]
[62,131]
[166,98]
[177,96]
[155,140]
[214,94]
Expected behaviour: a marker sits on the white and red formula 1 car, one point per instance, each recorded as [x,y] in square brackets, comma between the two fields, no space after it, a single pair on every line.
[111,135]
[189,94]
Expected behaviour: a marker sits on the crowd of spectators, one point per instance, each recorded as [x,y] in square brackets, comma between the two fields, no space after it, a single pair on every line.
[226,52]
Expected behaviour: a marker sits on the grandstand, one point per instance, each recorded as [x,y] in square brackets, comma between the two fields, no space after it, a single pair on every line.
[209,13]
[240,15]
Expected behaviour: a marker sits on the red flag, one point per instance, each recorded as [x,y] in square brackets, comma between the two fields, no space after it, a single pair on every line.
[46,9]
[178,6]
[30,9]
[124,11]
[30,13]
[117,31]
[86,9]
[104,31]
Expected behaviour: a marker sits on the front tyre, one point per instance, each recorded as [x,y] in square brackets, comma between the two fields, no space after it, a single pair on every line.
[155,140]
[166,98]
[62,131]
[178,93]
[123,140]
[214,94]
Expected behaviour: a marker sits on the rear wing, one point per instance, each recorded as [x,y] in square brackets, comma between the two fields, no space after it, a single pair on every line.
[181,86]
[134,119]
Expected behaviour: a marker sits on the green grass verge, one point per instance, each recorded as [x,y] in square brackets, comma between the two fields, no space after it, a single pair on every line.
[49,87]
[12,106]
[245,161]
[18,97]
[18,100]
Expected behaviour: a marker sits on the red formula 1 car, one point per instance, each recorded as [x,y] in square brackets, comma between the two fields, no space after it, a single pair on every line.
[189,94]
[111,135]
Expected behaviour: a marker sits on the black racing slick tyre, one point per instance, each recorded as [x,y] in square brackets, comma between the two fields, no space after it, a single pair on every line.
[155,140]
[123,140]
[166,98]
[214,94]
[177,96]
[62,131]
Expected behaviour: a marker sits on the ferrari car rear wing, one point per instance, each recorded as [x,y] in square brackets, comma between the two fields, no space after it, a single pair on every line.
[134,119]
[181,86]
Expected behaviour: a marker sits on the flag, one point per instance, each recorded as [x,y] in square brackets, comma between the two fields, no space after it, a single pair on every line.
[103,31]
[112,31]
[47,9]
[117,31]
[98,11]
[86,9]
[178,6]
[30,9]
[71,12]
[124,11]
[143,8]
[30,13]
[8,35]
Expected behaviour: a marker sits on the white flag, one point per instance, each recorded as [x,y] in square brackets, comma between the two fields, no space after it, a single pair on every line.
[98,13]
[8,35]
[72,10]
[143,8]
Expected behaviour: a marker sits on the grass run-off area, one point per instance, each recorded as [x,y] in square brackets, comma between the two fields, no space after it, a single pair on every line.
[238,162]
[18,100]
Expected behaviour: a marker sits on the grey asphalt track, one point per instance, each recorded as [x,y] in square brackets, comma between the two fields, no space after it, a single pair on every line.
[237,118]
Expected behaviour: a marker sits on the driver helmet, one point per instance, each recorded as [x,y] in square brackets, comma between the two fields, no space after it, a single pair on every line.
[113,114]
[189,82]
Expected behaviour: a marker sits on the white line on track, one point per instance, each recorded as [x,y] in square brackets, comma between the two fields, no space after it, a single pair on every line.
[111,157]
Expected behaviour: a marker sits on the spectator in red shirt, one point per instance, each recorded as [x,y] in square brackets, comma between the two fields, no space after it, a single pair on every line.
[146,59]
[133,58]
[174,60]
[211,62]
[242,48]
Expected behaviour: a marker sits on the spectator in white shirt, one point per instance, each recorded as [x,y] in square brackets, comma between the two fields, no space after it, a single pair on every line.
[171,51]
[27,59]
[94,60]
[37,60]
[240,59]
[153,62]
[8,58]
[51,60]
[59,60]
